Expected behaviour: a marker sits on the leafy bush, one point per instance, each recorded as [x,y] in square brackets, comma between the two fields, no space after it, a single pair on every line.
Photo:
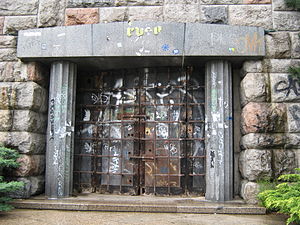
[285,198]
[8,159]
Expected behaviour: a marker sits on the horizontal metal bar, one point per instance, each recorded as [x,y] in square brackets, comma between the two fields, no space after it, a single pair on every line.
[197,174]
[202,156]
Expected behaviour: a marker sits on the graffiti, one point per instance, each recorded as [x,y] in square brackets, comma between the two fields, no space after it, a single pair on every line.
[142,31]
[100,98]
[212,159]
[173,149]
[87,115]
[162,130]
[175,51]
[165,47]
[114,166]
[88,147]
[52,112]
[292,84]
[251,42]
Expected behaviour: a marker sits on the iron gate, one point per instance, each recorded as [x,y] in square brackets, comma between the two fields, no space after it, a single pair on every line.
[140,131]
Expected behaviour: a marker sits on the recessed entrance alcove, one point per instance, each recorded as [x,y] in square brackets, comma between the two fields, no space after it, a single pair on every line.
[141,107]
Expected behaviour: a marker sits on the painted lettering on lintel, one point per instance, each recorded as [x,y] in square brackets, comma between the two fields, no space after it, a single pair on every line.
[138,31]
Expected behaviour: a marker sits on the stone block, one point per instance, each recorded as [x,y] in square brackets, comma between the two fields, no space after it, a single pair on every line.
[283,162]
[18,7]
[254,88]
[8,54]
[13,24]
[27,120]
[249,192]
[51,13]
[4,137]
[292,140]
[12,71]
[1,24]
[25,142]
[263,117]
[75,16]
[295,40]
[30,165]
[31,96]
[113,14]
[90,3]
[280,5]
[181,13]
[286,21]
[284,87]
[33,185]
[150,13]
[255,164]
[37,73]
[278,45]
[214,14]
[263,141]
[8,42]
[279,65]
[8,96]
[251,15]
[293,115]
[5,120]
[251,66]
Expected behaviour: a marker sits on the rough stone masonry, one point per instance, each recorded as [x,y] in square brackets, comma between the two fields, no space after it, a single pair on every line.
[269,96]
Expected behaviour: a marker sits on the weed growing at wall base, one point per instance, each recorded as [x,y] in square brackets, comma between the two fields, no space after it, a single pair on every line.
[8,159]
[285,198]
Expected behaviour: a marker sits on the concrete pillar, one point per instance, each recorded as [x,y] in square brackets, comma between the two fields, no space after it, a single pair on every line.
[60,132]
[218,129]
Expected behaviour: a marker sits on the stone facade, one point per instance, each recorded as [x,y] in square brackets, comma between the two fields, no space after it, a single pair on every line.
[270,118]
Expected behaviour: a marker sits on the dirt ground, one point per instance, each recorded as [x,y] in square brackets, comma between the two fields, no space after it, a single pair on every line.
[54,217]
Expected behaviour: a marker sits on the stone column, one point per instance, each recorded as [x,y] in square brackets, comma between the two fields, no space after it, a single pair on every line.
[60,132]
[218,129]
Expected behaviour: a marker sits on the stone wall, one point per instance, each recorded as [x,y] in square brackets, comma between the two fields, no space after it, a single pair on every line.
[270,120]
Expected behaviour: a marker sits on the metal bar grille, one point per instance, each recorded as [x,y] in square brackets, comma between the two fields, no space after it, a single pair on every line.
[140,131]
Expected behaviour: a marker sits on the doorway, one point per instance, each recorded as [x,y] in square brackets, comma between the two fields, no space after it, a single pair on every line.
[140,131]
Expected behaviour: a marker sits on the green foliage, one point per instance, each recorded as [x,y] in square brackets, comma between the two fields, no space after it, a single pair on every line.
[295,71]
[285,198]
[293,4]
[8,159]
[266,184]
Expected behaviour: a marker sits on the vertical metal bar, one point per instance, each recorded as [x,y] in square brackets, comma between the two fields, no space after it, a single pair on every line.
[155,119]
[122,135]
[169,188]
[185,144]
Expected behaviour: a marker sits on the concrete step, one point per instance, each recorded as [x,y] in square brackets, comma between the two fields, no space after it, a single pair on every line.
[119,203]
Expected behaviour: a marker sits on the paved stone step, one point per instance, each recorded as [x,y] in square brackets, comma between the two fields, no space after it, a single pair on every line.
[140,204]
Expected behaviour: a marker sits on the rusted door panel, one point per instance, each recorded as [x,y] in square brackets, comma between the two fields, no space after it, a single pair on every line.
[141,131]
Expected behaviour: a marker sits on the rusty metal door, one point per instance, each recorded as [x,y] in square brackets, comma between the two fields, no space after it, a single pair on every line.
[140,131]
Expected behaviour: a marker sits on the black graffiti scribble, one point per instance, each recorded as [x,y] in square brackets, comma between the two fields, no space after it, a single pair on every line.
[291,84]
[212,159]
[52,116]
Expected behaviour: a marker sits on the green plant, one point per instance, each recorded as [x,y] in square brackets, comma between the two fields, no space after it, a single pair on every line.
[295,72]
[8,159]
[285,198]
[293,4]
